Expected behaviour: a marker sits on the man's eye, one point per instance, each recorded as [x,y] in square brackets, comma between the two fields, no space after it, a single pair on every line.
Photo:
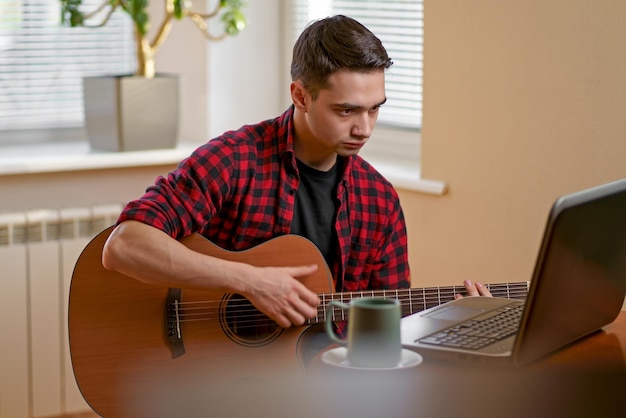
[346,111]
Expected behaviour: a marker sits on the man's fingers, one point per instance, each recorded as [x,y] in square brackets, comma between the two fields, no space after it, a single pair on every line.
[482,289]
[476,289]
[470,288]
[282,321]
[295,315]
[283,297]
[300,271]
[307,296]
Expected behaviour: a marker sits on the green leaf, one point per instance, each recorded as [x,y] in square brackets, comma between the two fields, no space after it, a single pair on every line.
[70,13]
[137,11]
[233,18]
[234,22]
[179,9]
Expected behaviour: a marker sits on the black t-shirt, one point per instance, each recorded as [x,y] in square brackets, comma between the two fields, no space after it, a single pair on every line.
[316,207]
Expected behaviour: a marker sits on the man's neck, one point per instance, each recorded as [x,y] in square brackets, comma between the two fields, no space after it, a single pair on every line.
[307,149]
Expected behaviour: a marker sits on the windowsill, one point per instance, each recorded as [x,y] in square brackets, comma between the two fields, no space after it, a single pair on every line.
[77,156]
[396,154]
[405,178]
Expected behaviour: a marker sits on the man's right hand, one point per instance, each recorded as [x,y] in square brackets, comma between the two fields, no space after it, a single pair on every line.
[276,292]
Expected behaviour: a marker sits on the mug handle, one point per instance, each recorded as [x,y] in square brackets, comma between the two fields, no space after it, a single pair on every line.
[329,323]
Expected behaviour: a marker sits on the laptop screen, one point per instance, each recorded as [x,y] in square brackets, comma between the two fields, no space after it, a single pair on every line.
[579,282]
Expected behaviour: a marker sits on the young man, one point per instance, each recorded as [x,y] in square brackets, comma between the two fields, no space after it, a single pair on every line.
[299,173]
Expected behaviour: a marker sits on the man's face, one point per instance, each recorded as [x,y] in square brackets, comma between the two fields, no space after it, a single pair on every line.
[343,115]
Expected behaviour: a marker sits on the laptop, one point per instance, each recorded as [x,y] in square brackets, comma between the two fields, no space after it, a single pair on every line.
[577,287]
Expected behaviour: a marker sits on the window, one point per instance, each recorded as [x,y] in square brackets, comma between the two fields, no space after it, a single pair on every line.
[399,25]
[42,64]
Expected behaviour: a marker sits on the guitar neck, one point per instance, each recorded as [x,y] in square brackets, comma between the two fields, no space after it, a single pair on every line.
[413,300]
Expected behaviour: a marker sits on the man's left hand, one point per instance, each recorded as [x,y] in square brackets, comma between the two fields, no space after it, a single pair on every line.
[474,289]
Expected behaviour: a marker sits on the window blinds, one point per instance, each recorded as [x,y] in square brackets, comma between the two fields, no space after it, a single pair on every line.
[399,25]
[42,63]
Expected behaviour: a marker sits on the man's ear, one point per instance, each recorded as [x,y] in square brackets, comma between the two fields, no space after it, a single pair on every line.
[299,95]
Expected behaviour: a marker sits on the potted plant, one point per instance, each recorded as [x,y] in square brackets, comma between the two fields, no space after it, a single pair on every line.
[129,112]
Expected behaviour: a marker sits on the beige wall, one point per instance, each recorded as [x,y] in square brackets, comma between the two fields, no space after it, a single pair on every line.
[184,53]
[523,101]
[76,189]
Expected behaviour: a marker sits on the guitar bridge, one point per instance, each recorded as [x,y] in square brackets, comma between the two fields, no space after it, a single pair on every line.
[173,332]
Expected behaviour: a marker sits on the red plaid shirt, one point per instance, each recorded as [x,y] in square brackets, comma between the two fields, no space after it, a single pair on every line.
[238,190]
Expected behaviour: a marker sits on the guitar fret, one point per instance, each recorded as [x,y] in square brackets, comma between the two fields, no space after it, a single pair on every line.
[321,310]
[405,302]
[341,298]
[338,314]
[431,298]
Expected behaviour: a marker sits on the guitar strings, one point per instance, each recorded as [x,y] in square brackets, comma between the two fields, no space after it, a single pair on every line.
[327,298]
[249,316]
[426,294]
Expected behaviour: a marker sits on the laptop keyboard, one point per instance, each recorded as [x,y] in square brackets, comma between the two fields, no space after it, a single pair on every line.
[479,332]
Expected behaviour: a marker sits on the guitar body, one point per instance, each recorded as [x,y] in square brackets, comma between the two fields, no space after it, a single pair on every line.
[121,349]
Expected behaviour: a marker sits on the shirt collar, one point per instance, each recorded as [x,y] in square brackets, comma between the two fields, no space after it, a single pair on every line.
[286,148]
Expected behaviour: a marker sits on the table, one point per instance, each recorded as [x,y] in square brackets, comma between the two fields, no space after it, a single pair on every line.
[584,379]
[607,348]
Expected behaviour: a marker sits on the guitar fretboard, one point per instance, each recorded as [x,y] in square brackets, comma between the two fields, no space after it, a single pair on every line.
[413,300]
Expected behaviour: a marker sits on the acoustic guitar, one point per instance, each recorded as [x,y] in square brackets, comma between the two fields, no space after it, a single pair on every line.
[133,344]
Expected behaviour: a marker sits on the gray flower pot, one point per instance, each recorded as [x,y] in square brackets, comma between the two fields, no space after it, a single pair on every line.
[129,113]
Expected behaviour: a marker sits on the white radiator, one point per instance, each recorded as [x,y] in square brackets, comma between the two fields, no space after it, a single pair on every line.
[38,250]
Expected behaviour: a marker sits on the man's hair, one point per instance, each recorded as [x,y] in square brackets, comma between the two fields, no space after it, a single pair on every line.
[333,44]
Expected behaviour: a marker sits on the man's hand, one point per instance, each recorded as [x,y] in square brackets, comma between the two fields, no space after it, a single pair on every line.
[474,289]
[277,293]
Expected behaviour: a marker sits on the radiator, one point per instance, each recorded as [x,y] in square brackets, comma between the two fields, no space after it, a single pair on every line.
[38,250]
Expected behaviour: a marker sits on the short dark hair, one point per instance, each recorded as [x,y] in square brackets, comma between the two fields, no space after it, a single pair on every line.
[333,44]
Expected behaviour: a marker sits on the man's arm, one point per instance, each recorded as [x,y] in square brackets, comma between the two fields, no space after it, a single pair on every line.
[151,256]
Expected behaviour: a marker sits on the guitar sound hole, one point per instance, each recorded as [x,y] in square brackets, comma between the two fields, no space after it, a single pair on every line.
[245,324]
